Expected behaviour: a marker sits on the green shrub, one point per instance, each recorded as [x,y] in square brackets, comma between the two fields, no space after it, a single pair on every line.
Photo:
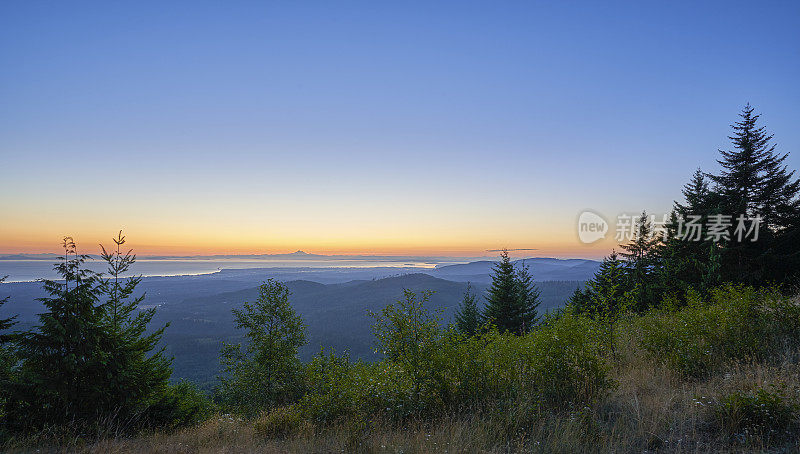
[181,405]
[558,366]
[335,388]
[282,422]
[734,323]
[768,415]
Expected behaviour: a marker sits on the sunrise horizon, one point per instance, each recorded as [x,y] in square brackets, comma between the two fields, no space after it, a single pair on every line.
[145,251]
[264,128]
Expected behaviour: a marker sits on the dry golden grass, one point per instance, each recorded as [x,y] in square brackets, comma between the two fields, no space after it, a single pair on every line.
[651,409]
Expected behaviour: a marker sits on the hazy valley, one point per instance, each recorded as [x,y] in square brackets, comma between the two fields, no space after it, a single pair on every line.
[334,302]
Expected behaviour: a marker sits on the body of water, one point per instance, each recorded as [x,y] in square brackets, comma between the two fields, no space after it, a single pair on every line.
[31,270]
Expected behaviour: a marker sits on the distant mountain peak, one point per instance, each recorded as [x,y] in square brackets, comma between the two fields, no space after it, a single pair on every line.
[299,253]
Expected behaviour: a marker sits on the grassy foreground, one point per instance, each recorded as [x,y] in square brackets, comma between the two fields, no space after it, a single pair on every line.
[716,376]
[651,409]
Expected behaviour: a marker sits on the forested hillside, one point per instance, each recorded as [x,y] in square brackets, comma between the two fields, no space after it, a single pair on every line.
[336,314]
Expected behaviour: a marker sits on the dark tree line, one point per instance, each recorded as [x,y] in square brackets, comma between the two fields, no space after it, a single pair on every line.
[756,200]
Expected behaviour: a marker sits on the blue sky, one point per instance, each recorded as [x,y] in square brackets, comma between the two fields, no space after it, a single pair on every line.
[370,126]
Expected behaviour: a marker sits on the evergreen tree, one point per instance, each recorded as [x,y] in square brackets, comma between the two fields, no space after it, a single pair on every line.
[638,252]
[710,270]
[89,360]
[606,294]
[529,298]
[684,257]
[754,181]
[502,302]
[64,369]
[697,196]
[513,299]
[5,323]
[579,301]
[263,373]
[641,261]
[7,357]
[139,372]
[468,317]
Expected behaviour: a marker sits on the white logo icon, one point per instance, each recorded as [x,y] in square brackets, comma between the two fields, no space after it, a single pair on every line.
[591,227]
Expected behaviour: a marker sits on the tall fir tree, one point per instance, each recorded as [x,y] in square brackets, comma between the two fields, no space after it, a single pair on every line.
[684,255]
[89,361]
[696,195]
[502,300]
[64,367]
[529,298]
[641,263]
[754,182]
[139,371]
[607,293]
[468,317]
[512,301]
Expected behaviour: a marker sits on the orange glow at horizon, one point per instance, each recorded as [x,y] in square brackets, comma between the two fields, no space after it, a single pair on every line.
[166,227]
[201,246]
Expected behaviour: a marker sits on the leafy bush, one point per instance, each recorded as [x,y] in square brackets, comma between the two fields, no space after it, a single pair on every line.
[181,405]
[734,323]
[768,415]
[559,365]
[336,387]
[282,422]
